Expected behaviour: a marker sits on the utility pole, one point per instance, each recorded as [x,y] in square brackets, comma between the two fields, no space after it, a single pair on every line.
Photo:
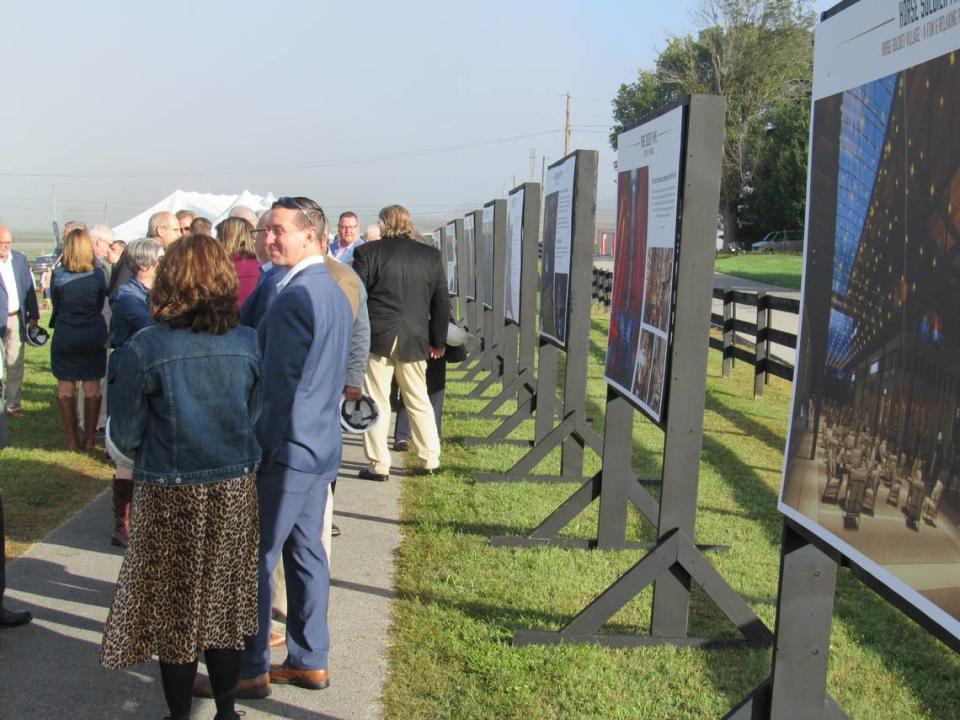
[567,129]
[533,164]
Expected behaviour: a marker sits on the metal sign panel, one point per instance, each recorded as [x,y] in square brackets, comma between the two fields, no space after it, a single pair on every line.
[469,238]
[512,277]
[486,253]
[450,242]
[648,199]
[873,453]
[557,245]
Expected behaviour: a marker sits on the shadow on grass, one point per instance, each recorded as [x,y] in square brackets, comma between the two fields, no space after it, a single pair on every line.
[875,623]
[748,425]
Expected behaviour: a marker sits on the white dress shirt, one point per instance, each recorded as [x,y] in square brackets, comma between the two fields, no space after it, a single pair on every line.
[303,264]
[10,283]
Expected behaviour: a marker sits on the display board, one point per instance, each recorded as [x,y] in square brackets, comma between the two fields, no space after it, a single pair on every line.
[511,284]
[469,237]
[486,253]
[873,453]
[557,238]
[648,196]
[450,243]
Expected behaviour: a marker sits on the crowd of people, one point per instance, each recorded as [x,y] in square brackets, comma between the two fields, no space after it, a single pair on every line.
[225,360]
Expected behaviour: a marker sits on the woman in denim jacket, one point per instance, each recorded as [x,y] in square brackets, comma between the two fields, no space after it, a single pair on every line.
[185,397]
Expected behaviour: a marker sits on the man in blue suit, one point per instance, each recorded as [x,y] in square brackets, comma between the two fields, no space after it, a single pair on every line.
[255,306]
[18,308]
[305,340]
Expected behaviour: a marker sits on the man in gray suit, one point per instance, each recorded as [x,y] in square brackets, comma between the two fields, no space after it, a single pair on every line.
[18,309]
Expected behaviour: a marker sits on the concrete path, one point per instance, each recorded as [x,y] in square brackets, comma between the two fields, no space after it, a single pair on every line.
[49,669]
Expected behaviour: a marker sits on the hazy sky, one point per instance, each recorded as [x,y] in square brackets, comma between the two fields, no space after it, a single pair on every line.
[435,105]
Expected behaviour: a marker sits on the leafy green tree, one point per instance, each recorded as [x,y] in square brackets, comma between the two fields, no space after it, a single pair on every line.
[759,53]
[779,176]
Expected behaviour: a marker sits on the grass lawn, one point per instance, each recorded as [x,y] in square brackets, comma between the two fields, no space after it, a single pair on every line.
[783,269]
[459,599]
[43,483]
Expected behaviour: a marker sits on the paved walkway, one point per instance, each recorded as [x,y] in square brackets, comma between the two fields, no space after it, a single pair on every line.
[49,669]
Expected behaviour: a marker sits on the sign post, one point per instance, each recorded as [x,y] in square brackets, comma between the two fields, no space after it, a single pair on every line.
[695,132]
[871,476]
[473,269]
[487,251]
[516,288]
[570,204]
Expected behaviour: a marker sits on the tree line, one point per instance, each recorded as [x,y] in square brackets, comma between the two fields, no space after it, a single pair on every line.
[759,53]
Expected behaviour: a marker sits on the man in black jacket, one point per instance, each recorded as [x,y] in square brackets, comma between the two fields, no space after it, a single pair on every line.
[409,307]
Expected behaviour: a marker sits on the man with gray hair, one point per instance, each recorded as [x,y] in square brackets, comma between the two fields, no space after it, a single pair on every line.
[102,237]
[371,233]
[184,219]
[164,226]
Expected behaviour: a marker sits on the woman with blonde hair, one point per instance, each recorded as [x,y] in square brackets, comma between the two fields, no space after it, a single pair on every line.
[78,352]
[234,233]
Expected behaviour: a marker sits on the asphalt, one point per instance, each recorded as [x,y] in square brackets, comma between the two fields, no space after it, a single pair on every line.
[49,668]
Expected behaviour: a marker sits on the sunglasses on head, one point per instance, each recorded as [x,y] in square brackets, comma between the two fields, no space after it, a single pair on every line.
[299,203]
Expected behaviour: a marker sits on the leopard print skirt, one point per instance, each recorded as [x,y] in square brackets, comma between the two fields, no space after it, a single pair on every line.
[188,581]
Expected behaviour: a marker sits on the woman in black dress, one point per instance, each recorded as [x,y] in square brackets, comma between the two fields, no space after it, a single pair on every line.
[78,352]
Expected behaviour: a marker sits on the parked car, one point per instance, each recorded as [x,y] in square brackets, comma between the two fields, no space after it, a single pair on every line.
[780,241]
[42,263]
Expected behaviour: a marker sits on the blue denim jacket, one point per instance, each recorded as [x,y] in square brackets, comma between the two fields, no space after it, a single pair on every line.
[184,405]
[129,312]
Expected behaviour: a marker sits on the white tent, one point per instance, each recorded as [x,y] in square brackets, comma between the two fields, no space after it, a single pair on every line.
[208,205]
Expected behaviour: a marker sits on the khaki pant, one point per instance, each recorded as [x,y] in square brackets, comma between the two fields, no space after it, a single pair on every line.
[412,381]
[280,583]
[12,348]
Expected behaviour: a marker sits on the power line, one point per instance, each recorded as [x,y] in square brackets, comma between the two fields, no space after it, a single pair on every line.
[283,168]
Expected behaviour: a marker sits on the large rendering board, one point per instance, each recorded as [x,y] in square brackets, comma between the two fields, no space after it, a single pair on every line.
[873,453]
[648,193]
[469,238]
[557,240]
[450,241]
[511,284]
[486,252]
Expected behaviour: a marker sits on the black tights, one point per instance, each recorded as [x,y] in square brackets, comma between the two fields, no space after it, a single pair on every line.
[224,669]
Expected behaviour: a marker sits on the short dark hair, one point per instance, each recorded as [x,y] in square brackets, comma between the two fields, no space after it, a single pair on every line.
[350,214]
[196,287]
[201,226]
[310,215]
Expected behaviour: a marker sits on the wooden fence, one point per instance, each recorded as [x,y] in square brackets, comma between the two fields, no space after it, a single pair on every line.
[732,343]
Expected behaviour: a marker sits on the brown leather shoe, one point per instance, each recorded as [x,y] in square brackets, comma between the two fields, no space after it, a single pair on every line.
[16,413]
[309,679]
[255,688]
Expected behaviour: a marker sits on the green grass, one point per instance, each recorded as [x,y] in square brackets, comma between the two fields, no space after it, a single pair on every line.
[782,269]
[459,599]
[43,483]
